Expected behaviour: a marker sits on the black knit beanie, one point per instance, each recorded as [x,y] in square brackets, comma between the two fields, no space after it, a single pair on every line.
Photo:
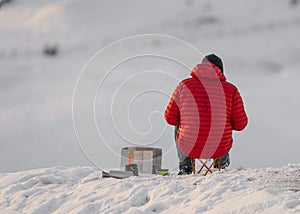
[215,60]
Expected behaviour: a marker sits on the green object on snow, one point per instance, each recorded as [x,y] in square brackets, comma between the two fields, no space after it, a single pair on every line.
[163,172]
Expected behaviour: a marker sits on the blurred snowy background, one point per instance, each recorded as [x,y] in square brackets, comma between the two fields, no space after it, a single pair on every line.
[45,44]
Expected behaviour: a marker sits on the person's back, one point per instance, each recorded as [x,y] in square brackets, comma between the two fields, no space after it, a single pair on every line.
[206,108]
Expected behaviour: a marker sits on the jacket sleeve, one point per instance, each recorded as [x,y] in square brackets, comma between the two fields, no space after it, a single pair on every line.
[239,118]
[172,113]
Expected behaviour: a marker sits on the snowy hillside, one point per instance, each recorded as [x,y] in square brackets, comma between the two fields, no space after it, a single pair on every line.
[83,190]
[258,41]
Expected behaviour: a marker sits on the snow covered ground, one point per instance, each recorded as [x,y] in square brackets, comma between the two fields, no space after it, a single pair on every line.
[83,190]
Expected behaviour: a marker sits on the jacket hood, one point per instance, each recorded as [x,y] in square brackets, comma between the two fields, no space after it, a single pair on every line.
[208,70]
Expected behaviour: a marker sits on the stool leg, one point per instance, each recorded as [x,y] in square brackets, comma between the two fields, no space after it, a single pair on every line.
[209,168]
[193,165]
[219,163]
[203,165]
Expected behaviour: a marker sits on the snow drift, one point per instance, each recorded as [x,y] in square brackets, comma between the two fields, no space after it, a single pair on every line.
[83,190]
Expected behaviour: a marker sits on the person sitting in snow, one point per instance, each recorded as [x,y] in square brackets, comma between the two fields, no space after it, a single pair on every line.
[204,109]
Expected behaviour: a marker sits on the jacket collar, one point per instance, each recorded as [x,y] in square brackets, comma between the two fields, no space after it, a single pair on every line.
[208,70]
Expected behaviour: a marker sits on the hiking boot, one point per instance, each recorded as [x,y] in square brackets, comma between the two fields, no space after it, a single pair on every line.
[185,171]
[225,162]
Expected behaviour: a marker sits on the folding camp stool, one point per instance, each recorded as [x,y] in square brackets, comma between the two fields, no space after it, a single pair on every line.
[204,165]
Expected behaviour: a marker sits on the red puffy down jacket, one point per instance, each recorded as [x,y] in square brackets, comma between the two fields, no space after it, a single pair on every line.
[206,108]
